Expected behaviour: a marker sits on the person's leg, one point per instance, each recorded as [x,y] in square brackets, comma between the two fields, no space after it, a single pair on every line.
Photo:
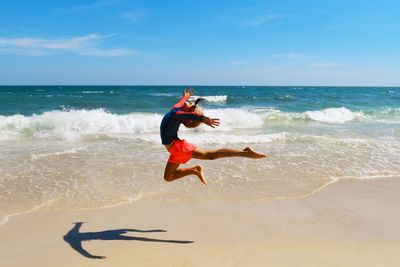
[172,172]
[225,153]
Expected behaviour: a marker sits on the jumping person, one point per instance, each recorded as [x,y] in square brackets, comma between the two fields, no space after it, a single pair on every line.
[181,151]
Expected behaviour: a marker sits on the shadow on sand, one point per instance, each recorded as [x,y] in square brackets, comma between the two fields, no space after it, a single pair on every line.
[74,238]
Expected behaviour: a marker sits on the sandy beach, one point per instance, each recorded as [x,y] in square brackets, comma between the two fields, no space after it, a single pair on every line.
[348,223]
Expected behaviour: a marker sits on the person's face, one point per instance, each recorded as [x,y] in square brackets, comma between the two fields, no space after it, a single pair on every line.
[188,106]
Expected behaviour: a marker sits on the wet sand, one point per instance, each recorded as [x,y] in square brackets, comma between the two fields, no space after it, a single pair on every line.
[348,223]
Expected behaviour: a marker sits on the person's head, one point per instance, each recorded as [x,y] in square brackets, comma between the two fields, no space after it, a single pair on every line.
[194,108]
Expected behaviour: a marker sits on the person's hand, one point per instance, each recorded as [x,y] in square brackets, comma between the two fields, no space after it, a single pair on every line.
[211,122]
[188,92]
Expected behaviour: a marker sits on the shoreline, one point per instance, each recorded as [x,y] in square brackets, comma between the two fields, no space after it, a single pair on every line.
[351,222]
[7,217]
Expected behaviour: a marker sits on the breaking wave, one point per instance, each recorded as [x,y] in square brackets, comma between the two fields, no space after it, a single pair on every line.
[212,98]
[73,124]
[329,115]
[334,115]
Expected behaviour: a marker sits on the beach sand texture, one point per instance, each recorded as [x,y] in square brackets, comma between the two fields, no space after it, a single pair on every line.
[348,223]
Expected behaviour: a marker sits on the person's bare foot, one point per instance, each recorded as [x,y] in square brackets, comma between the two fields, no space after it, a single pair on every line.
[252,154]
[199,172]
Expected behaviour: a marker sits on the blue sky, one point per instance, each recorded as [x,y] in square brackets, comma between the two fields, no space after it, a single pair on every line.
[204,42]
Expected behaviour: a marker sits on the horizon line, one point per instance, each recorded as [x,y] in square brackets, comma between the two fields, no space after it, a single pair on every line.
[198,85]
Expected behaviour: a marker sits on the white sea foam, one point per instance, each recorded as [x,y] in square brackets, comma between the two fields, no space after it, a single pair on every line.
[329,115]
[388,112]
[6,218]
[68,151]
[211,98]
[271,114]
[92,92]
[368,177]
[73,124]
[334,115]
[3,220]
[161,94]
[234,118]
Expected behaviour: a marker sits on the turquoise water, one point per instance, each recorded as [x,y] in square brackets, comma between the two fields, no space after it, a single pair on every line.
[28,100]
[73,147]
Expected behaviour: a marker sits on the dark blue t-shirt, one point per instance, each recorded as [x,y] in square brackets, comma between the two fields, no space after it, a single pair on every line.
[172,120]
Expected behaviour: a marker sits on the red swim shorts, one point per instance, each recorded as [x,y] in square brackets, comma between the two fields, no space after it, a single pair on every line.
[181,151]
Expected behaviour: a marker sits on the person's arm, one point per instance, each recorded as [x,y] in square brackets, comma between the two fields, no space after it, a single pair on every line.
[189,116]
[212,122]
[186,94]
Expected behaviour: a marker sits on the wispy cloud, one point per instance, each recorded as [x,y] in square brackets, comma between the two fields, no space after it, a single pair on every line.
[264,19]
[87,45]
[252,16]
[237,62]
[292,56]
[324,64]
[96,5]
[135,15]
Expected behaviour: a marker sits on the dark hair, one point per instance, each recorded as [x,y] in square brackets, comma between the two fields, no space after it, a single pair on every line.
[192,108]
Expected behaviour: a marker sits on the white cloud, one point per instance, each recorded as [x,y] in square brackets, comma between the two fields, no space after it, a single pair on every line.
[108,53]
[261,20]
[23,52]
[87,45]
[292,56]
[135,15]
[95,5]
[323,65]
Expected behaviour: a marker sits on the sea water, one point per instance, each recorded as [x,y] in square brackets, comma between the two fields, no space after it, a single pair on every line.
[76,147]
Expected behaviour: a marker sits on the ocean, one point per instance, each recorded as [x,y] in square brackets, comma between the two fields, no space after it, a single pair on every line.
[79,147]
